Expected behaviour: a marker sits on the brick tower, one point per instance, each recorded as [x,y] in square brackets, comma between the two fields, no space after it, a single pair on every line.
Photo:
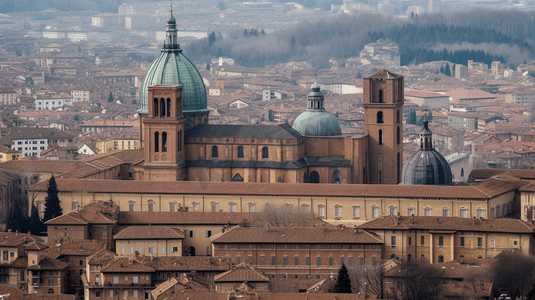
[163,130]
[383,123]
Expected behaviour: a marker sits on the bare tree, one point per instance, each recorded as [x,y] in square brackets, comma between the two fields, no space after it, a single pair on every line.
[367,279]
[284,216]
[515,272]
[416,280]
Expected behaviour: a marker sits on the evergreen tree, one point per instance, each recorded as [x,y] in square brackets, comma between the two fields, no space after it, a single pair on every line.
[420,121]
[343,283]
[430,116]
[110,97]
[36,226]
[52,209]
[17,221]
[245,32]
[271,116]
[442,69]
[447,71]
[412,117]
[211,38]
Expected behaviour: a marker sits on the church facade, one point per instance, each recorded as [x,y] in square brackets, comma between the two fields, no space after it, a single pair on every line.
[180,144]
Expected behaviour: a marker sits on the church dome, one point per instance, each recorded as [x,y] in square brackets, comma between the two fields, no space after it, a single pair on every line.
[426,166]
[173,67]
[316,121]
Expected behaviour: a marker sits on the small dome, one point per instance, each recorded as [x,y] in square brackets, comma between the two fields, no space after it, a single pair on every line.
[317,123]
[426,166]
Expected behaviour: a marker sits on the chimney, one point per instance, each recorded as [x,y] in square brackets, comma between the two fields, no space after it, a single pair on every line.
[411,219]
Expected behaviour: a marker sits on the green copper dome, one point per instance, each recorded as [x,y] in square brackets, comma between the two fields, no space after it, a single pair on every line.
[173,67]
[316,121]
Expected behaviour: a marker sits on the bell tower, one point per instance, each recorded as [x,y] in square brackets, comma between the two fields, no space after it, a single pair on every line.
[163,130]
[383,96]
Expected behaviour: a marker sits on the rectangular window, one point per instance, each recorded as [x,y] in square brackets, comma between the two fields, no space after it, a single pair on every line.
[162,250]
[463,213]
[410,212]
[238,260]
[445,212]
[174,249]
[135,279]
[462,241]
[356,212]
[296,261]
[208,233]
[191,233]
[338,212]
[318,261]
[152,249]
[232,207]
[285,261]
[321,211]
[393,211]
[115,279]
[307,261]
[330,261]
[123,250]
[492,244]
[262,260]
[393,241]
[409,241]
[273,261]
[172,206]
[422,240]
[135,293]
[440,241]
[480,242]
[480,213]
[375,212]
[131,250]
[50,281]
[252,208]
[427,212]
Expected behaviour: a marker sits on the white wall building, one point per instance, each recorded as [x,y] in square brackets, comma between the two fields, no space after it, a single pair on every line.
[79,95]
[53,102]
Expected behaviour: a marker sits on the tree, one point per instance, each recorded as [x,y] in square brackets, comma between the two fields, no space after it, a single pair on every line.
[514,271]
[221,5]
[284,216]
[367,279]
[417,281]
[442,69]
[76,117]
[430,116]
[17,221]
[211,38]
[447,71]
[343,283]
[36,225]
[110,97]
[53,208]
[412,117]
[271,116]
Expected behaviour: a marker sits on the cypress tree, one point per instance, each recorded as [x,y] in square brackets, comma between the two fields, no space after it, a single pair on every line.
[447,71]
[36,226]
[343,283]
[17,221]
[110,97]
[53,209]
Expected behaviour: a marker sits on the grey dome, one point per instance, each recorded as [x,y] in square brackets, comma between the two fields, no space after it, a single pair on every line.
[426,166]
[316,121]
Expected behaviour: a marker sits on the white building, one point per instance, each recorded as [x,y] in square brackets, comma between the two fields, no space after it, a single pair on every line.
[53,102]
[31,141]
[8,96]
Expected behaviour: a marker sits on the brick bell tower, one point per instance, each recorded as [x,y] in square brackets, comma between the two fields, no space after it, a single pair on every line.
[383,96]
[163,130]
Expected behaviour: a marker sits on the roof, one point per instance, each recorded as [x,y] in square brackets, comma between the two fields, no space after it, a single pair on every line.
[120,264]
[449,223]
[148,232]
[187,263]
[18,133]
[423,94]
[15,239]
[277,189]
[317,123]
[163,287]
[271,296]
[72,218]
[240,274]
[49,264]
[384,74]
[75,248]
[462,93]
[175,218]
[281,235]
[282,131]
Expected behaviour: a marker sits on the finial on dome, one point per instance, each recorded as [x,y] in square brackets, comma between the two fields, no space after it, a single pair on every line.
[315,85]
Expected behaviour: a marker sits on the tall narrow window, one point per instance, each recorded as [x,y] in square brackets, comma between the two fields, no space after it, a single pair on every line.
[179,141]
[338,211]
[150,205]
[155,107]
[380,136]
[380,118]
[164,141]
[380,96]
[398,118]
[162,107]
[240,151]
[265,152]
[215,152]
[398,136]
[321,211]
[168,107]
[156,141]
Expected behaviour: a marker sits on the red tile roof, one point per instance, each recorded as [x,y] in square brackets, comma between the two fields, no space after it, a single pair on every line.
[240,274]
[149,233]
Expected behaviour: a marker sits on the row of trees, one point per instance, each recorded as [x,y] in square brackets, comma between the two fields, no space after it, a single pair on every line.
[17,221]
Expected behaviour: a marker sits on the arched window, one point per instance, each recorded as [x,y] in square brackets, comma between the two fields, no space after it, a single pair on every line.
[380,136]
[97,279]
[240,151]
[462,172]
[265,152]
[51,291]
[398,136]
[168,107]
[336,177]
[156,141]
[162,107]
[380,96]
[164,141]
[131,205]
[150,205]
[215,152]
[314,177]
[155,107]
[422,258]
[380,118]
[398,117]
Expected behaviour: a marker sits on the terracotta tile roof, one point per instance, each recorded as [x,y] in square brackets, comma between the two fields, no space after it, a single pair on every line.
[270,296]
[20,262]
[295,235]
[43,165]
[72,218]
[449,224]
[14,239]
[81,248]
[462,93]
[273,189]
[423,94]
[35,246]
[149,232]
[163,287]
[187,263]
[121,264]
[241,273]
[384,74]
[49,264]
[175,218]
[101,257]
[487,173]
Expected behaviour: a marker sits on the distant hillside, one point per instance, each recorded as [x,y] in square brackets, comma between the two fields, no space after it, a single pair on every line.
[503,35]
